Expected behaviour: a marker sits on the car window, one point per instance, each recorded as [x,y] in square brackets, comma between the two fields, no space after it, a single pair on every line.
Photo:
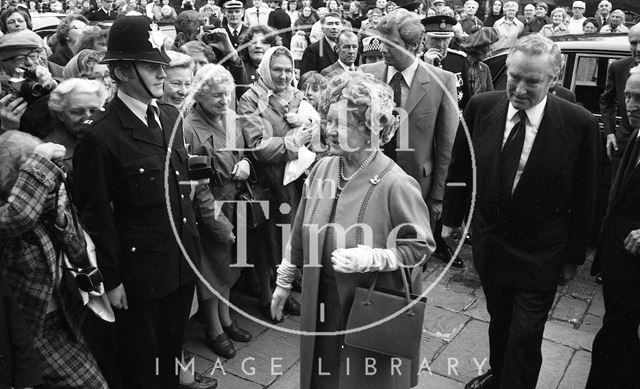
[590,77]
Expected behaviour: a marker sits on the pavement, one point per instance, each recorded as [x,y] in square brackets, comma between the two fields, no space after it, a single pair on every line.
[454,344]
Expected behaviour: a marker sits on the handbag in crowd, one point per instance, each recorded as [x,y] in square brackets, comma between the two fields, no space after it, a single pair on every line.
[251,193]
[399,336]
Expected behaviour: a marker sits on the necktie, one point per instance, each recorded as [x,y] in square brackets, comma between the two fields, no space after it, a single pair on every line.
[633,158]
[235,35]
[153,125]
[396,84]
[510,156]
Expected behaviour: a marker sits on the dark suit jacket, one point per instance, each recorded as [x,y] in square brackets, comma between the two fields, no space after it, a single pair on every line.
[234,41]
[564,93]
[317,56]
[99,15]
[119,170]
[612,100]
[279,19]
[523,241]
[620,270]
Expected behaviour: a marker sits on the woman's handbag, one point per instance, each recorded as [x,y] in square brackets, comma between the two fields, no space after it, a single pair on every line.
[251,194]
[399,336]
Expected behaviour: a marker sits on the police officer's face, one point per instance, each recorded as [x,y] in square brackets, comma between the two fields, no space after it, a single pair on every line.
[632,100]
[440,44]
[78,108]
[177,85]
[152,75]
[634,41]
[234,16]
[215,99]
[528,79]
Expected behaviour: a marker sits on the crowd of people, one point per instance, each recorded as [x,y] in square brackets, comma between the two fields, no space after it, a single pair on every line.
[129,158]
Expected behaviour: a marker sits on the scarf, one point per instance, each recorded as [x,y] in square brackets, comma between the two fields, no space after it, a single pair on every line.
[264,74]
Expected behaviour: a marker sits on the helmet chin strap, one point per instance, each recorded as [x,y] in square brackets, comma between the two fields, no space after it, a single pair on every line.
[144,84]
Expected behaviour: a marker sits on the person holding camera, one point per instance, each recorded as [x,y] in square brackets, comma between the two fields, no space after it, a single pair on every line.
[38,228]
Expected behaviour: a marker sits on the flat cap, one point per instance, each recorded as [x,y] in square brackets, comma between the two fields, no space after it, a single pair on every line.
[440,26]
[233,4]
[483,37]
[17,42]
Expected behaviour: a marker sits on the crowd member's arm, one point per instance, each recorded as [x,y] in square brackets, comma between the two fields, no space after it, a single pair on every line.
[608,108]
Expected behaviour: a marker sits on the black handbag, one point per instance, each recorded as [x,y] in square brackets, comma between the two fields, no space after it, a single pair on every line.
[251,193]
[399,336]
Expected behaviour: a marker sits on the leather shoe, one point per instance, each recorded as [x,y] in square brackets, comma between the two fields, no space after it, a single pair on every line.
[201,383]
[485,381]
[236,333]
[445,253]
[265,310]
[291,306]
[221,345]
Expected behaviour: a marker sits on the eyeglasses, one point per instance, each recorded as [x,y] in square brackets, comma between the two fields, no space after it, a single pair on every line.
[34,56]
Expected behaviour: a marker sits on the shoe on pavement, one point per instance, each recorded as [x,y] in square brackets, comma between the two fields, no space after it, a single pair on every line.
[485,381]
[221,345]
[236,333]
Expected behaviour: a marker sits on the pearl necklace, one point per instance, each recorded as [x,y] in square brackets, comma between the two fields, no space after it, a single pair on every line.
[366,163]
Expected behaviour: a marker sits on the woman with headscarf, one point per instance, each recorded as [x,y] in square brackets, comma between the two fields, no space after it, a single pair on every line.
[357,188]
[86,64]
[274,133]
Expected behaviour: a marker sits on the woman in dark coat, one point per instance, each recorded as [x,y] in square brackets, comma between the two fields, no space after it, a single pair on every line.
[495,14]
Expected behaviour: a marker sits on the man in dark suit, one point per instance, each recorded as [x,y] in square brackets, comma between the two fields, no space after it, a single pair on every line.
[119,170]
[347,54]
[280,21]
[429,116]
[323,53]
[233,13]
[612,101]
[536,159]
[105,12]
[615,360]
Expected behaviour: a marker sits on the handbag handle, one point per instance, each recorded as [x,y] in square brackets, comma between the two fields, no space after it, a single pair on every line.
[367,298]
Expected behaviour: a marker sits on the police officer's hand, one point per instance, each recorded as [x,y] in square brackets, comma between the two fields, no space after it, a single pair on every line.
[118,298]
[632,242]
[611,145]
[241,170]
[11,112]
[432,57]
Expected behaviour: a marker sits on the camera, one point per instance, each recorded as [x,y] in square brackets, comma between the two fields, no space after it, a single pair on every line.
[24,83]
[209,36]
[201,167]
[89,279]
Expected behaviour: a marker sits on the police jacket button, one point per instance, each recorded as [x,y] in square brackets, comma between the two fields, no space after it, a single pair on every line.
[184,220]
[182,196]
[177,173]
[133,249]
[141,170]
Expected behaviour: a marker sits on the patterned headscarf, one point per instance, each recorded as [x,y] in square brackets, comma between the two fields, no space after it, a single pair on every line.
[264,72]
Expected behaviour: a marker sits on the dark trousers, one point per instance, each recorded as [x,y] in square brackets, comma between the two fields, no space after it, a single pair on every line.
[515,333]
[150,335]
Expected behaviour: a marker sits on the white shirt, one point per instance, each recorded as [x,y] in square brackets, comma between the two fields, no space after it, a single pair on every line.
[345,66]
[534,117]
[253,18]
[139,108]
[607,29]
[575,25]
[408,75]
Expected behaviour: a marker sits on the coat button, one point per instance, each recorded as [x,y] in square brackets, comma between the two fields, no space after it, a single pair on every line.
[133,249]
[184,220]
[182,196]
[141,170]
[2,358]
[177,173]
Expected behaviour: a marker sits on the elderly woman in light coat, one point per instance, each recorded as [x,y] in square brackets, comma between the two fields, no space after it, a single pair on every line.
[358,188]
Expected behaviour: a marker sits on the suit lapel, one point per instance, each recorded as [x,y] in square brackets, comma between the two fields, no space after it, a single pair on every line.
[487,140]
[417,89]
[620,183]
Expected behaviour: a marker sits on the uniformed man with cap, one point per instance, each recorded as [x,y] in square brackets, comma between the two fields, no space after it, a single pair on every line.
[233,13]
[129,173]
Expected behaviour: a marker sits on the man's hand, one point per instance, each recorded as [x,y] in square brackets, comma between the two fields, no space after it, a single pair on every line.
[612,145]
[632,242]
[433,57]
[435,208]
[241,170]
[568,273]
[11,112]
[118,298]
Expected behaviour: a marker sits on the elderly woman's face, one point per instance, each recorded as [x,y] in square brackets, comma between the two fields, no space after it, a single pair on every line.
[78,108]
[257,47]
[589,28]
[557,18]
[344,134]
[215,99]
[281,70]
[177,85]
[16,22]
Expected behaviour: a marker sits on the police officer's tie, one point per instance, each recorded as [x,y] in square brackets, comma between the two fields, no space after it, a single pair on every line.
[235,35]
[396,85]
[153,125]
[510,156]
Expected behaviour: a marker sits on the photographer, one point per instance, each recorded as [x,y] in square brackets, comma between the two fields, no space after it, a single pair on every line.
[37,225]
[24,50]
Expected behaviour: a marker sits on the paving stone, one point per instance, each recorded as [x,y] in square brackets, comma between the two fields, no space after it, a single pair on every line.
[579,340]
[230,381]
[597,303]
[478,310]
[570,309]
[577,372]
[580,290]
[430,346]
[442,323]
[272,344]
[290,379]
[555,359]
[461,283]
[435,381]
[591,324]
[442,297]
[460,359]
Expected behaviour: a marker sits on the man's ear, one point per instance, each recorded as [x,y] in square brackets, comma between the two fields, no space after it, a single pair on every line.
[122,73]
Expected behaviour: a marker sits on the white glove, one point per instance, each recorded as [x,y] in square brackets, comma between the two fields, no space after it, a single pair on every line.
[278,299]
[287,273]
[363,259]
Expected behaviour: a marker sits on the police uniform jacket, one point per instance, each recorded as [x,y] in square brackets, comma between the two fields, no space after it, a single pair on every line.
[119,170]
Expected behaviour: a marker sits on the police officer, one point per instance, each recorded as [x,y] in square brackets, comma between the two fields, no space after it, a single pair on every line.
[119,168]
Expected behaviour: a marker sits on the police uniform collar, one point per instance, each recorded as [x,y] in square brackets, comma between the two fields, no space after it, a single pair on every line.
[137,107]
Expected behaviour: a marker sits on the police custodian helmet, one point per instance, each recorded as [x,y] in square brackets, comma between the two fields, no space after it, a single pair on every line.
[135,38]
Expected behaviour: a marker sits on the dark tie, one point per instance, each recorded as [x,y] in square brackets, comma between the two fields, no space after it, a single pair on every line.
[396,85]
[510,156]
[235,35]
[153,125]
[633,158]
